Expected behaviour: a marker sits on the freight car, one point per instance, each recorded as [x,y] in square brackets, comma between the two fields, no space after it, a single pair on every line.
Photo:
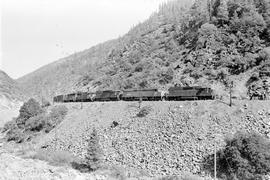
[143,94]
[189,93]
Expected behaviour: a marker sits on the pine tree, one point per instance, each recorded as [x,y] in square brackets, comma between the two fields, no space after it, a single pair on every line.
[93,159]
[222,11]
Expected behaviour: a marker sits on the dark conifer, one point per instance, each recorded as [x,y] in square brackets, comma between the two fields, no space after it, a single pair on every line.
[94,155]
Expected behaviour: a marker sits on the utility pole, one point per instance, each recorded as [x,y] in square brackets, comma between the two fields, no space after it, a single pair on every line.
[81,104]
[215,150]
[231,85]
[210,9]
[215,162]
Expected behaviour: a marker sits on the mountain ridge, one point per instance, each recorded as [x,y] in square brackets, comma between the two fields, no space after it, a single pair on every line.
[206,43]
[11,98]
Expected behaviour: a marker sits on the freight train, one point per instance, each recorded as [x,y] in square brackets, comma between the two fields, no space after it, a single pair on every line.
[173,94]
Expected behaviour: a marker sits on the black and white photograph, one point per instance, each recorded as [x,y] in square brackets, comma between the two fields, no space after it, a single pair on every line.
[135,90]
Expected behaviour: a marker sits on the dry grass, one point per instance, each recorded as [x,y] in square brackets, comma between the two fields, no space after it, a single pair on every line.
[56,158]
[184,176]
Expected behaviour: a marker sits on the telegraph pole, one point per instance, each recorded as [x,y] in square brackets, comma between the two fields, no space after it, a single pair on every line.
[210,9]
[231,85]
[215,150]
[215,162]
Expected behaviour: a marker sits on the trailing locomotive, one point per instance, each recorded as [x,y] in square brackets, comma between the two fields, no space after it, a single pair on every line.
[144,94]
[174,94]
[189,93]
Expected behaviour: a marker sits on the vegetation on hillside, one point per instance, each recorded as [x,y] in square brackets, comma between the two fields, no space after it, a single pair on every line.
[245,157]
[94,157]
[10,88]
[184,43]
[32,120]
[209,42]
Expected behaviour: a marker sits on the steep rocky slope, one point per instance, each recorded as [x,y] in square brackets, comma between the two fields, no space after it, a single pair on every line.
[173,137]
[11,98]
[185,43]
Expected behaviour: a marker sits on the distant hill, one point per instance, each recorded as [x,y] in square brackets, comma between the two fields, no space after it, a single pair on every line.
[10,88]
[63,75]
[11,98]
[206,42]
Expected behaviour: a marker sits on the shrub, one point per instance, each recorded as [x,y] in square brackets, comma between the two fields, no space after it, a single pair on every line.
[29,109]
[15,134]
[80,165]
[116,172]
[185,176]
[45,103]
[56,116]
[144,111]
[36,123]
[93,158]
[46,122]
[57,158]
[246,157]
[9,125]
[58,112]
[94,152]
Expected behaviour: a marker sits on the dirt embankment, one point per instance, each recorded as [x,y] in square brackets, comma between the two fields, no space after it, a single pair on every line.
[174,136]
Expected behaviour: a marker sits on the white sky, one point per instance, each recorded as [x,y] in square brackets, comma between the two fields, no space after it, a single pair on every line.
[37,32]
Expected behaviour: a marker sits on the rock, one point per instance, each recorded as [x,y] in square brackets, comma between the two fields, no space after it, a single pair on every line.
[260,112]
[164,142]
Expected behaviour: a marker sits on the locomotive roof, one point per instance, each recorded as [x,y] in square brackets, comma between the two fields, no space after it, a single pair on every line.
[128,90]
[186,87]
[108,91]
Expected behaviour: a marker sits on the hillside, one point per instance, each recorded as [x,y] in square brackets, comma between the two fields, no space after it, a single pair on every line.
[209,42]
[11,98]
[174,136]
[63,75]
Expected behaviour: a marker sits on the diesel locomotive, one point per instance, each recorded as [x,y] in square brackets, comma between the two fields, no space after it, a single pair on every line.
[173,94]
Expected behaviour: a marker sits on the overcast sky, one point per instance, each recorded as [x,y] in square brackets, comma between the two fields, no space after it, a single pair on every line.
[37,32]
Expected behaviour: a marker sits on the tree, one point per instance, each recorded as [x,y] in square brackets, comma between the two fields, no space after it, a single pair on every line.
[222,12]
[94,154]
[29,109]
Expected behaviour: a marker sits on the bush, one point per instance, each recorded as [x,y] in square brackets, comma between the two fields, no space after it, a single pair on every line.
[116,172]
[37,123]
[144,111]
[29,109]
[93,158]
[45,103]
[9,125]
[46,122]
[56,116]
[58,158]
[80,165]
[94,152]
[246,157]
[186,176]
[15,134]
[32,120]
[58,112]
